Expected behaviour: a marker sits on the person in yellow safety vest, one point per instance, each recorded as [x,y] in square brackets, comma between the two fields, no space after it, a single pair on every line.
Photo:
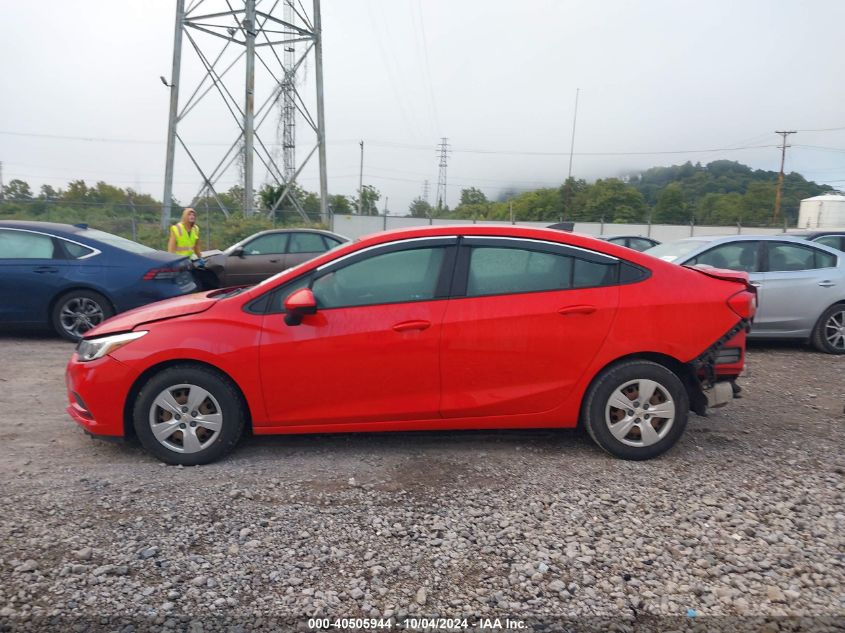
[185,236]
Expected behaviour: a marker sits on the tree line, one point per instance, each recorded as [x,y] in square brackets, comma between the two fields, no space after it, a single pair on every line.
[719,193]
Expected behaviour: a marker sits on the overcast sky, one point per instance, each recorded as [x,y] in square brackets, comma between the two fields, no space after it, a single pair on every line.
[497,78]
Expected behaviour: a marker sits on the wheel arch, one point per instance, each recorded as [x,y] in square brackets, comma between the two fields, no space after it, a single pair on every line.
[682,370]
[61,293]
[138,383]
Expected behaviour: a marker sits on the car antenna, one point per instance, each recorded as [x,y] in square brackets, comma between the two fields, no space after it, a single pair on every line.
[81,225]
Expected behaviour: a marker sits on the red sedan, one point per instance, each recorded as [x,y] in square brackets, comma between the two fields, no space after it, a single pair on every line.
[432,328]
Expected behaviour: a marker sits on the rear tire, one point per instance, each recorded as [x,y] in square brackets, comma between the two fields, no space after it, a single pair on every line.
[627,426]
[188,415]
[829,334]
[78,311]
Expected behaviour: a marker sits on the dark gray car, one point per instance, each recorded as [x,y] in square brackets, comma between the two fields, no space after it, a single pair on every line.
[264,254]
[800,284]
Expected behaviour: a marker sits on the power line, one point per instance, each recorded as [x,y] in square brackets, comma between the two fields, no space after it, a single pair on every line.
[389,144]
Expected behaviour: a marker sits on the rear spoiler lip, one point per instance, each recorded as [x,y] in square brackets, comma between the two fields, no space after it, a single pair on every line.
[724,274]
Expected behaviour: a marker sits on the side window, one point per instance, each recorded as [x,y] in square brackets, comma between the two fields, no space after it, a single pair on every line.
[593,274]
[512,270]
[732,256]
[76,251]
[834,241]
[639,244]
[25,245]
[396,277]
[270,244]
[306,243]
[786,257]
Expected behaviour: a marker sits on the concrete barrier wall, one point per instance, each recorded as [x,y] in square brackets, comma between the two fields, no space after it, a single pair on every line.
[355,226]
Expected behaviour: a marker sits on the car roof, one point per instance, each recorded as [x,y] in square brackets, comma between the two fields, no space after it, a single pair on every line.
[725,239]
[816,233]
[47,227]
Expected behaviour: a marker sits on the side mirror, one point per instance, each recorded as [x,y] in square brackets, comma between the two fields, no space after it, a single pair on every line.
[298,305]
[238,252]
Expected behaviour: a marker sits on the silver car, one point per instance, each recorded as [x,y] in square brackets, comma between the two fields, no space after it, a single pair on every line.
[800,285]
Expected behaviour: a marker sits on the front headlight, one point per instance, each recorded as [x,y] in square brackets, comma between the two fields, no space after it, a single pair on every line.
[95,348]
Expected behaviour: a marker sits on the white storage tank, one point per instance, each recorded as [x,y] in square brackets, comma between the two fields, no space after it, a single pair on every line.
[821,212]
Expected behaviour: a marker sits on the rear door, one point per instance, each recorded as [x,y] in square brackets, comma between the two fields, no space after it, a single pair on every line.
[33,270]
[799,282]
[525,320]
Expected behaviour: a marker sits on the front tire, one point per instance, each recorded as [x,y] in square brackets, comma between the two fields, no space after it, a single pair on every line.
[829,333]
[188,415]
[78,311]
[636,410]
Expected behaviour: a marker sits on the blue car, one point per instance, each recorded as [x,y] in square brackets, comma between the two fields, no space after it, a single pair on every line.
[72,278]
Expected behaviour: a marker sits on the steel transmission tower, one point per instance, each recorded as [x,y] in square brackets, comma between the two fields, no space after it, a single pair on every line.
[288,120]
[425,190]
[225,34]
[443,151]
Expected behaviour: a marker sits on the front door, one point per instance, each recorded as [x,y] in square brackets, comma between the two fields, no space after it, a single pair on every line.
[260,258]
[32,271]
[371,352]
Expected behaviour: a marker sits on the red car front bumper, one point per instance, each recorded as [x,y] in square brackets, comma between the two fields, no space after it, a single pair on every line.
[97,391]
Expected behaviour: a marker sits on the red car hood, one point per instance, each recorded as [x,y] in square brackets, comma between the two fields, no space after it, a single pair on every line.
[167,309]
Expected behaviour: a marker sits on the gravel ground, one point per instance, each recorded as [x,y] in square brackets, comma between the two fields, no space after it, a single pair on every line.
[745,518]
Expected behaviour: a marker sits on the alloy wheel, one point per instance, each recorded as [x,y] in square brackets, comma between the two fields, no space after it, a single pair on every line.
[80,314]
[640,412]
[185,418]
[834,330]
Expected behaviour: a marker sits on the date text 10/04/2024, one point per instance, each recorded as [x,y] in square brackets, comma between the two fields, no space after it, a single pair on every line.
[416,624]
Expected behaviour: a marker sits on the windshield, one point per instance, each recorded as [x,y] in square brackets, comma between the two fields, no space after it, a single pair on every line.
[673,251]
[115,240]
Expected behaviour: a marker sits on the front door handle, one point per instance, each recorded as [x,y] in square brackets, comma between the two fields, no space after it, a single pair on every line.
[584,309]
[46,269]
[274,261]
[406,326]
[827,283]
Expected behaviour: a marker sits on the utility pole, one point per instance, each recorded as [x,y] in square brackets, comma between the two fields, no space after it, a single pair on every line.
[572,140]
[443,151]
[361,182]
[779,190]
[568,185]
[1,181]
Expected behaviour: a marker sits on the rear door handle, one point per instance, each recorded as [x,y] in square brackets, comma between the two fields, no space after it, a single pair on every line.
[405,326]
[756,284]
[827,284]
[576,310]
[274,261]
[46,269]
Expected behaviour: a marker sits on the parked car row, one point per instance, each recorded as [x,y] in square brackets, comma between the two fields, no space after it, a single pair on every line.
[71,278]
